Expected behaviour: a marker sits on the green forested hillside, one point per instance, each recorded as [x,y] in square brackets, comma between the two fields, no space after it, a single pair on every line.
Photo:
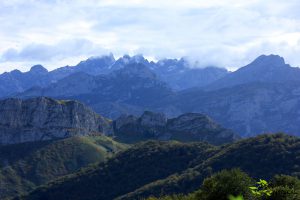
[135,167]
[27,165]
[261,157]
[161,168]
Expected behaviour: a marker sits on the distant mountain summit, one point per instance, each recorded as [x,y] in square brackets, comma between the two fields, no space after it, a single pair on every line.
[266,69]
[181,74]
[96,65]
[269,61]
[136,59]
[38,69]
[16,81]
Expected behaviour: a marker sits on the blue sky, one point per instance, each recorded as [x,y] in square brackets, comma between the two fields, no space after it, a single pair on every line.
[227,33]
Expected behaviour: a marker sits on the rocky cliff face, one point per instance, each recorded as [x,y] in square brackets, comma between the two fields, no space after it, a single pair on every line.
[148,125]
[44,118]
[201,127]
[186,127]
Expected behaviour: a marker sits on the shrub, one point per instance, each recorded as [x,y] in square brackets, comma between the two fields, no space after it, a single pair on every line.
[225,183]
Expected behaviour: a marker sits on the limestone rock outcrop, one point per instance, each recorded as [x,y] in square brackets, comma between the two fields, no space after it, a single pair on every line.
[45,118]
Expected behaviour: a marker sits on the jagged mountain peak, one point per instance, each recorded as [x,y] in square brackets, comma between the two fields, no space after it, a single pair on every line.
[127,59]
[96,64]
[135,58]
[171,62]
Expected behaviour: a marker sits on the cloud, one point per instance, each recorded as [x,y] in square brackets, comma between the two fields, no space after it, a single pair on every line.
[41,52]
[66,52]
[226,33]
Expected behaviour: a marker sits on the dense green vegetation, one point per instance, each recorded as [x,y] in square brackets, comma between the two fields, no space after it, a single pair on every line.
[260,157]
[27,165]
[135,167]
[166,168]
[226,183]
[235,184]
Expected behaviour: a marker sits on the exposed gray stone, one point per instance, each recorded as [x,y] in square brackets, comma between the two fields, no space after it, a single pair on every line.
[44,118]
[186,127]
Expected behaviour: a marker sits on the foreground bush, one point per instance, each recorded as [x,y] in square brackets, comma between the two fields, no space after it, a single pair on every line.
[221,185]
[237,185]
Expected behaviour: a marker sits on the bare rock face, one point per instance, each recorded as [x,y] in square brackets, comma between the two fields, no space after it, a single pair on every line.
[196,126]
[148,125]
[186,127]
[125,120]
[150,119]
[45,118]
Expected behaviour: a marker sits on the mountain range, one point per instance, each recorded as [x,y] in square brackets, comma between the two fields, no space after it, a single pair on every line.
[258,98]
[127,128]
[180,73]
[42,118]
[261,97]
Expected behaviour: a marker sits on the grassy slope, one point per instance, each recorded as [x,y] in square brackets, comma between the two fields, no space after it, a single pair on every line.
[24,166]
